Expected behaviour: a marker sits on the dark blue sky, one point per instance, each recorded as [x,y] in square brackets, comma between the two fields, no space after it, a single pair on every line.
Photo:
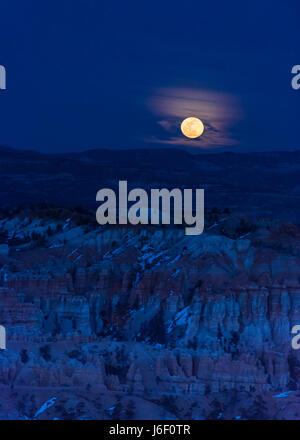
[92,74]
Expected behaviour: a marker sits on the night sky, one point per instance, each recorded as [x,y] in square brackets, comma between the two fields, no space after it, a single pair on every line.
[87,74]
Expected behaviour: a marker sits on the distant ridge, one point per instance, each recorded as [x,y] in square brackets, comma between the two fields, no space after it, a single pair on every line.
[263,183]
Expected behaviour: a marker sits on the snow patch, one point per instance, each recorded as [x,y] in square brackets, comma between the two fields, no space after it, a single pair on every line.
[285,394]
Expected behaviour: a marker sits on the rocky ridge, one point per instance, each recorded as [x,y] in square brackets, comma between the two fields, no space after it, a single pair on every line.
[148,320]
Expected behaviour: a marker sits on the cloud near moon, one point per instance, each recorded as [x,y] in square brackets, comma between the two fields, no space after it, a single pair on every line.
[218,111]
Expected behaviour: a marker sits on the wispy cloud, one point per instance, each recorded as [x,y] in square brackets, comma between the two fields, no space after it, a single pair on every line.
[218,111]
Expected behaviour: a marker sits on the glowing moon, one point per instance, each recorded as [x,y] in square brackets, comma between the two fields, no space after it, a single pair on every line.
[192,127]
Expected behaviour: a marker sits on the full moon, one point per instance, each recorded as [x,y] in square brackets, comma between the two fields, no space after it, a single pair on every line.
[192,127]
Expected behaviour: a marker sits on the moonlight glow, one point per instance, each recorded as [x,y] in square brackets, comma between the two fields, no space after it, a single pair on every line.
[192,127]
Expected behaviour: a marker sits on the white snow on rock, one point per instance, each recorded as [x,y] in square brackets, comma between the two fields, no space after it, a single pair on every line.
[45,406]
[285,394]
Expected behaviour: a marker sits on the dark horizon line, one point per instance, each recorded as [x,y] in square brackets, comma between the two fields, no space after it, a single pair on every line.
[189,151]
